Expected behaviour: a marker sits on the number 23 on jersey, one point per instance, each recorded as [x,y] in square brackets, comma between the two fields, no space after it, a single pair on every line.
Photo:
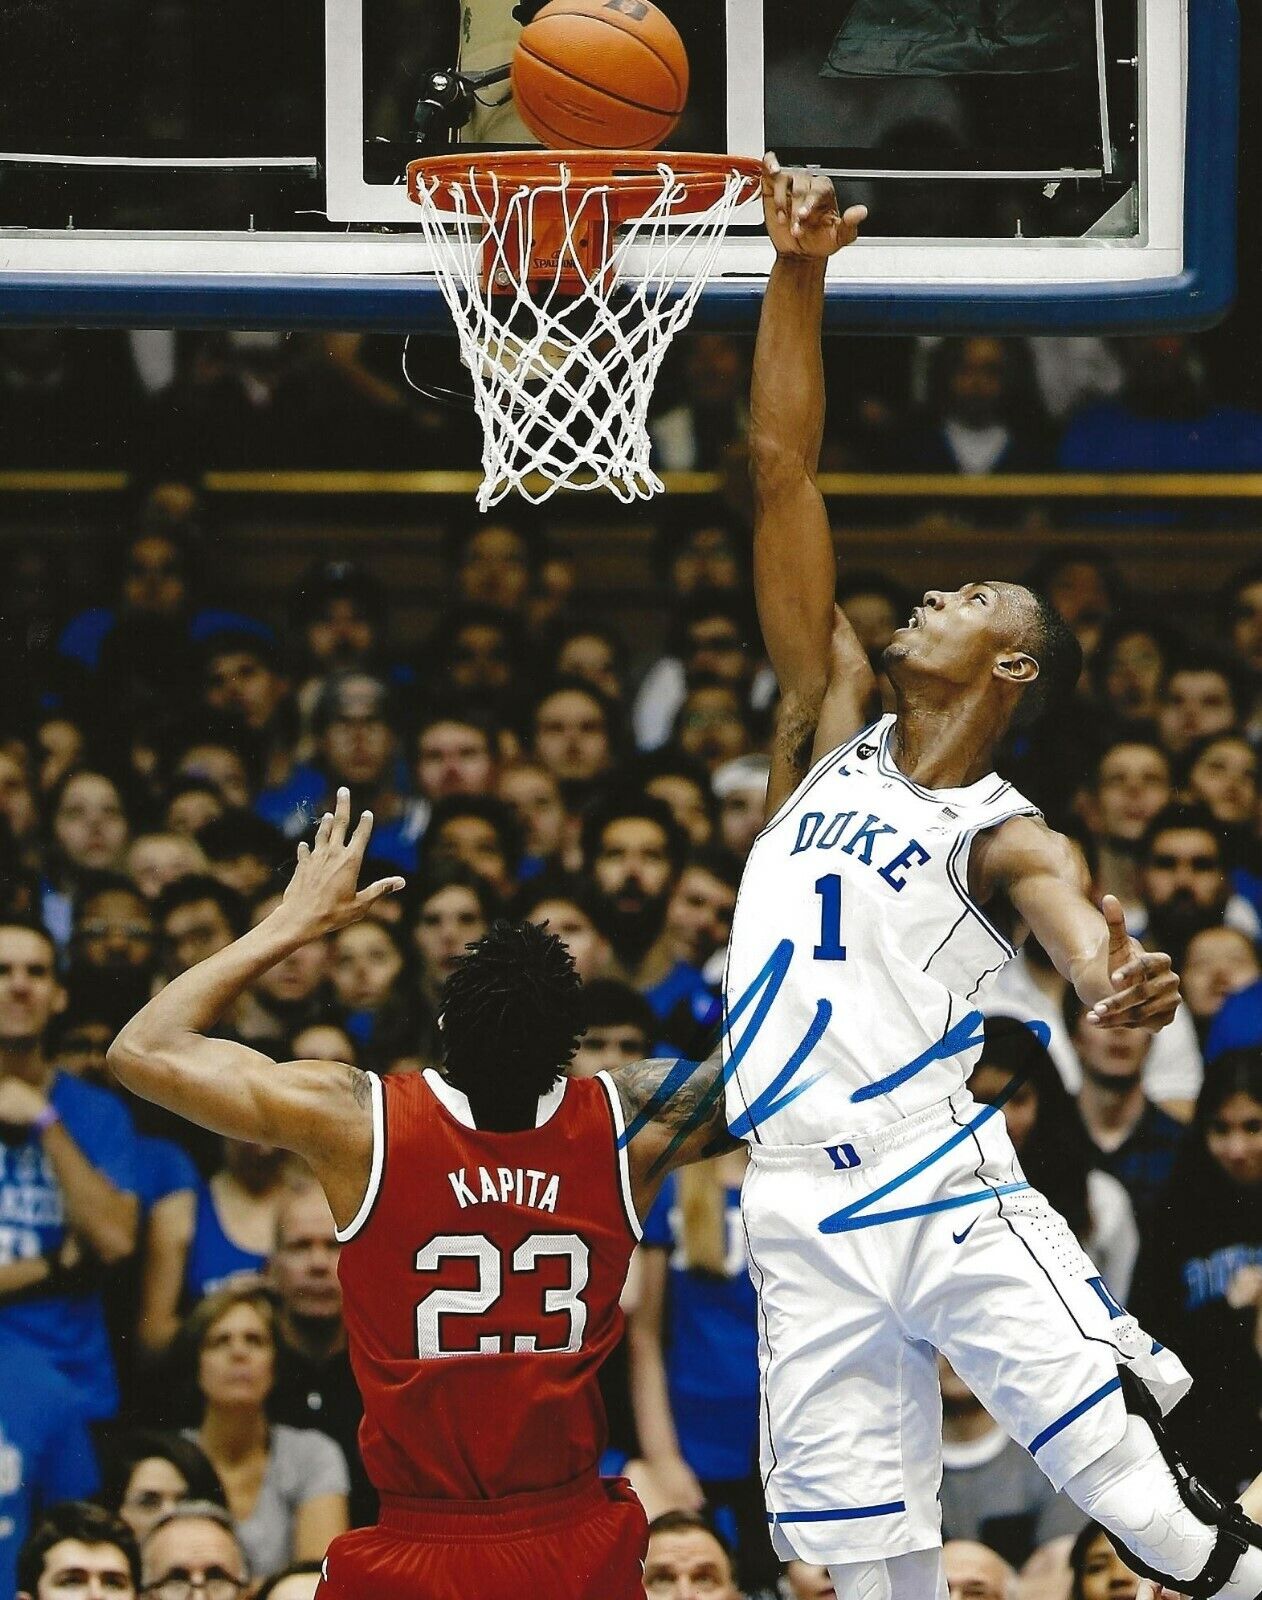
[532,1298]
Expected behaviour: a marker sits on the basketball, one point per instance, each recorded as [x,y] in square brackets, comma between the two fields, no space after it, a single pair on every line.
[600,75]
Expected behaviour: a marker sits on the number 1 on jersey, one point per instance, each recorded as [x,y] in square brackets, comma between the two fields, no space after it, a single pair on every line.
[830,947]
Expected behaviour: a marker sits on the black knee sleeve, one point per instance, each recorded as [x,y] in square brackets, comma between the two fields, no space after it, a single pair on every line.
[1236,1532]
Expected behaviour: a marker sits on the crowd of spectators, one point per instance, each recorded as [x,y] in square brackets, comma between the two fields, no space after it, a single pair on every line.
[156,401]
[170,1299]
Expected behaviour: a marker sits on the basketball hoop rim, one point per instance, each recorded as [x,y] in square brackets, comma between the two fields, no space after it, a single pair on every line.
[636,177]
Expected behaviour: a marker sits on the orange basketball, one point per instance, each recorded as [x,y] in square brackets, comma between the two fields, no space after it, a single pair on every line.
[600,75]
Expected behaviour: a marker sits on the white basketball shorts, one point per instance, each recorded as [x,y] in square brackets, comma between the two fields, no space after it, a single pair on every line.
[874,1252]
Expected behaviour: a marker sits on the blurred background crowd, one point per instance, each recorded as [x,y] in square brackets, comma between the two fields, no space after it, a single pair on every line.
[170,1316]
[160,400]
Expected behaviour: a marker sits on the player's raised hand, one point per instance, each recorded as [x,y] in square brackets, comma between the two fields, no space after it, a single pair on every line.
[322,891]
[801,212]
[1145,985]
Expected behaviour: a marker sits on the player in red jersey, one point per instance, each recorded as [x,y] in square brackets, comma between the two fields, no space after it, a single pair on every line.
[487,1216]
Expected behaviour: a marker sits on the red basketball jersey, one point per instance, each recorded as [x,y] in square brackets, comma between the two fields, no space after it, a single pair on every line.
[481,1281]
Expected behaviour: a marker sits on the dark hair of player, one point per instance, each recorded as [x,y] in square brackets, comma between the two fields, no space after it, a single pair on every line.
[1054,645]
[510,1022]
[74,1519]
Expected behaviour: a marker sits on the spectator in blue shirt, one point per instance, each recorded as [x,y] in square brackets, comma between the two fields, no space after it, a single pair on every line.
[1238,1025]
[156,587]
[356,742]
[67,1182]
[1131,1137]
[45,1452]
[244,678]
[1218,964]
[635,852]
[1163,421]
[693,1346]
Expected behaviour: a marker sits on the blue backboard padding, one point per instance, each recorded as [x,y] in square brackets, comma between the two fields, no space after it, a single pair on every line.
[1200,295]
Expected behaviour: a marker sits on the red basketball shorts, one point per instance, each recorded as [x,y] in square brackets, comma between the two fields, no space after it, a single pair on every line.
[585,1541]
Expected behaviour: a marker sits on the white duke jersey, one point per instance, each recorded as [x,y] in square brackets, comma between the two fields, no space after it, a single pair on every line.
[857,955]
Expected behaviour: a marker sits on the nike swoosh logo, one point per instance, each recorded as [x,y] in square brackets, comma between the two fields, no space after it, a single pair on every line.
[960,1237]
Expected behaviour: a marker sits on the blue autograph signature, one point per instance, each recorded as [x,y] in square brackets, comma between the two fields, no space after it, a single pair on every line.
[782,1091]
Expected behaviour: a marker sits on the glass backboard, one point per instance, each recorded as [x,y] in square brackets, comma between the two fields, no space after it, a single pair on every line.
[1059,165]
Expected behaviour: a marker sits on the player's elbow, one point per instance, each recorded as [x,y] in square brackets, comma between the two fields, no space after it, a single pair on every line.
[777,465]
[135,1059]
[125,1060]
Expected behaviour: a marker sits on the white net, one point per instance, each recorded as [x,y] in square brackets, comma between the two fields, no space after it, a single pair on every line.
[563,365]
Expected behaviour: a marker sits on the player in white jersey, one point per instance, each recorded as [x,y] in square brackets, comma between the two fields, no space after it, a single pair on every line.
[886,1213]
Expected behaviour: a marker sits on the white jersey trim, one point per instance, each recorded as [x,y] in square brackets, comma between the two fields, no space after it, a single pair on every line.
[356,1224]
[456,1101]
[959,880]
[624,1159]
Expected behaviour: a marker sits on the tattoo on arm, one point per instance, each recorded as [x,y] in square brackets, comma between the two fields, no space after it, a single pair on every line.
[684,1100]
[361,1088]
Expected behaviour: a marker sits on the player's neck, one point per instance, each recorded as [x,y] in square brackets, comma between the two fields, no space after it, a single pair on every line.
[27,1062]
[944,746]
[493,1114]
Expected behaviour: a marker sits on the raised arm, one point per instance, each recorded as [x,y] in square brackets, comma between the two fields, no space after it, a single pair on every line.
[673,1114]
[319,1110]
[1045,880]
[811,646]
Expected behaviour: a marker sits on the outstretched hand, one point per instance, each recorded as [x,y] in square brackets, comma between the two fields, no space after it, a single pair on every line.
[1145,985]
[801,212]
[322,890]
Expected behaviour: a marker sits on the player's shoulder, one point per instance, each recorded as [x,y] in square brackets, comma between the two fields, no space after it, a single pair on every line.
[594,1099]
[1025,843]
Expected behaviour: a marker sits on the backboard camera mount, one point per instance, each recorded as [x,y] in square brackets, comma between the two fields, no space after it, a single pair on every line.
[447,101]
